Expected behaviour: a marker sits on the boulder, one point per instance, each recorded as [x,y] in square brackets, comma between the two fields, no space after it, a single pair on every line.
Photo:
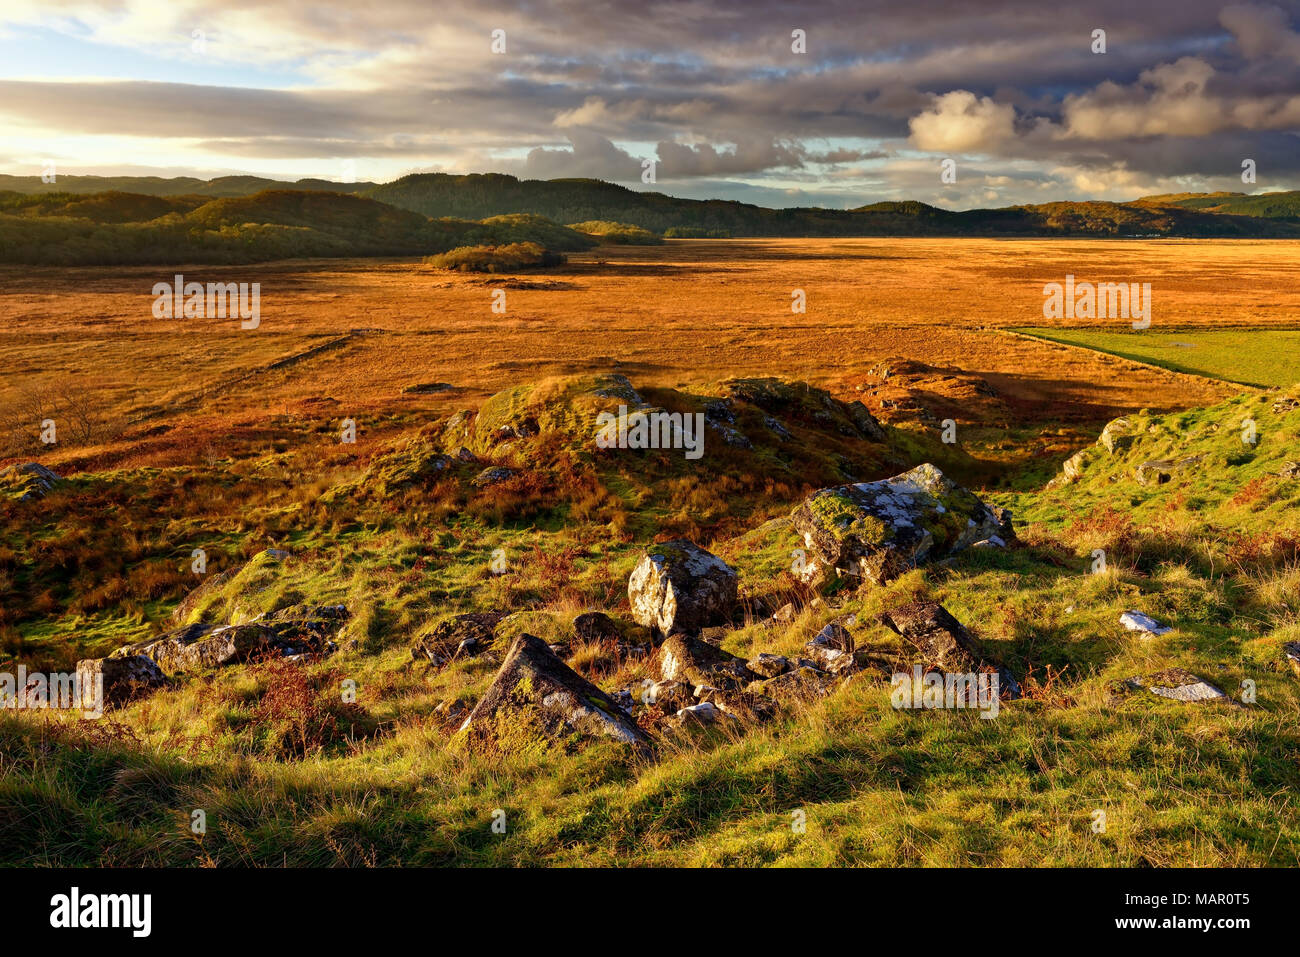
[536,704]
[768,666]
[199,646]
[1178,684]
[678,586]
[696,662]
[944,641]
[123,678]
[1073,468]
[595,626]
[1117,436]
[878,530]
[831,649]
[803,683]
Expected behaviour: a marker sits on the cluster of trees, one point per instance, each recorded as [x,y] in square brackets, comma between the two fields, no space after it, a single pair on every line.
[125,228]
[618,234]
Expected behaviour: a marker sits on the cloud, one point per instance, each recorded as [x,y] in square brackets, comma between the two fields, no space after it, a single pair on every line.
[713,91]
[961,122]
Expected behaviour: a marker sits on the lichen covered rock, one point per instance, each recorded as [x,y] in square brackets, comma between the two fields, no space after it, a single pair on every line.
[695,662]
[878,530]
[27,481]
[678,586]
[537,704]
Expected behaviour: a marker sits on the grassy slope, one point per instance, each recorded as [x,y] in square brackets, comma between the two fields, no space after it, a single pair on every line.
[1258,357]
[1213,553]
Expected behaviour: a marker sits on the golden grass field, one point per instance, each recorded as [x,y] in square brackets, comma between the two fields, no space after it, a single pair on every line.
[683,313]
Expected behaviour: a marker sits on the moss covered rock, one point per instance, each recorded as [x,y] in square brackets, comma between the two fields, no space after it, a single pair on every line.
[678,586]
[537,704]
[877,530]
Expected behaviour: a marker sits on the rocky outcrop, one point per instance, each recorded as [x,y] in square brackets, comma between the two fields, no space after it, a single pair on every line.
[196,647]
[1117,436]
[877,530]
[27,481]
[536,704]
[678,586]
[297,630]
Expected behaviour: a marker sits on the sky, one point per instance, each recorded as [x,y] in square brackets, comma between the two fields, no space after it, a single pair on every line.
[831,104]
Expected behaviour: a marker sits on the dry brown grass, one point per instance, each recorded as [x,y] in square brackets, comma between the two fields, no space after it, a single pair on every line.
[683,313]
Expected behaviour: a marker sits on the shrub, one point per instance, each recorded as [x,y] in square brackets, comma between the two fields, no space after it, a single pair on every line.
[624,234]
[494,259]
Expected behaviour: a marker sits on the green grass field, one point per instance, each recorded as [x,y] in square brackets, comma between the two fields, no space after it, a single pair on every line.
[1255,357]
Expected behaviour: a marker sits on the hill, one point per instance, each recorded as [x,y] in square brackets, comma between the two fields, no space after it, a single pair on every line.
[1281,205]
[418,575]
[116,227]
[580,200]
[171,186]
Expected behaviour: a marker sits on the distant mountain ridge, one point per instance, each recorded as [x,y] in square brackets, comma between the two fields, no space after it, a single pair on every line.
[237,219]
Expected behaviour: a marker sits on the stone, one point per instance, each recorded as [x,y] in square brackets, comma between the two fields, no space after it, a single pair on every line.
[537,704]
[800,684]
[768,666]
[28,481]
[678,586]
[668,695]
[1072,470]
[832,649]
[878,530]
[1290,470]
[492,475]
[594,626]
[196,647]
[944,641]
[1116,436]
[123,678]
[747,706]
[1136,621]
[703,713]
[1178,684]
[687,659]
[458,636]
[1291,651]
